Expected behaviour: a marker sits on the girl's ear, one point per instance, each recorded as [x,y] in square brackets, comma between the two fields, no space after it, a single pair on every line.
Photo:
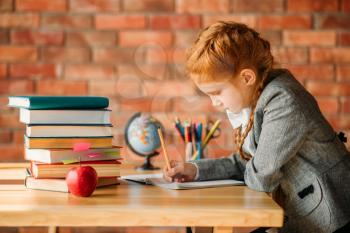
[248,77]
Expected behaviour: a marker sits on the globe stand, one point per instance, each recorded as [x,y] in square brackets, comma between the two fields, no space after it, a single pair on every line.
[147,165]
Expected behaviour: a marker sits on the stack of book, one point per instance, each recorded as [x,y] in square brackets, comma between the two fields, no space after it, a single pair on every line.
[57,127]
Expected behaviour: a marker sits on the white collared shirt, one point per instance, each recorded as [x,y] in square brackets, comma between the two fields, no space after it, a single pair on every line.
[242,119]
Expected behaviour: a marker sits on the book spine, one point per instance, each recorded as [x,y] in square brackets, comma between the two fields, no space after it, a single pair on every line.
[69,103]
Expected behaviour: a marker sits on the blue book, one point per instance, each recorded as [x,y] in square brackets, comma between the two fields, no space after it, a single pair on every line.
[58,102]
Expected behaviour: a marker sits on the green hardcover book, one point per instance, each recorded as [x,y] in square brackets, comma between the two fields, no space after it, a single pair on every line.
[58,102]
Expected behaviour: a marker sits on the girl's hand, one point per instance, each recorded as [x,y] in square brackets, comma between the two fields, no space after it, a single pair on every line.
[179,172]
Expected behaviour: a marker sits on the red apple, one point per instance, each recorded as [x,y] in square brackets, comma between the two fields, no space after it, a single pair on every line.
[82,180]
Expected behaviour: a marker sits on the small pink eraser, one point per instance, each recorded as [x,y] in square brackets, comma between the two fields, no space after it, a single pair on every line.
[94,155]
[82,146]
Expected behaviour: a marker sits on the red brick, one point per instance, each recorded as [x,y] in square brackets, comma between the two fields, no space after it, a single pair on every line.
[113,55]
[91,38]
[203,6]
[256,6]
[169,89]
[61,54]
[159,55]
[129,87]
[344,38]
[345,6]
[4,99]
[312,5]
[330,55]
[137,38]
[37,37]
[120,21]
[328,105]
[249,20]
[345,105]
[10,20]
[184,38]
[175,22]
[313,72]
[144,104]
[284,22]
[89,71]
[16,87]
[61,21]
[6,5]
[344,121]
[10,120]
[193,104]
[333,21]
[14,53]
[148,5]
[310,38]
[12,152]
[90,6]
[103,87]
[144,71]
[33,70]
[18,137]
[62,87]
[290,55]
[273,36]
[343,73]
[328,88]
[3,70]
[4,36]
[5,136]
[178,56]
[41,5]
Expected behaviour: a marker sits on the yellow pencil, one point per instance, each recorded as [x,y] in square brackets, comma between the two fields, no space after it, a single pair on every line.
[160,134]
[211,132]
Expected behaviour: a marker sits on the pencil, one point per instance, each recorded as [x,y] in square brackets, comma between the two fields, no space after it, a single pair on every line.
[180,128]
[211,132]
[160,134]
[194,141]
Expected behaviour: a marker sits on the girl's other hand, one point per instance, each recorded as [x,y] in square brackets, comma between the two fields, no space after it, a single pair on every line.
[179,172]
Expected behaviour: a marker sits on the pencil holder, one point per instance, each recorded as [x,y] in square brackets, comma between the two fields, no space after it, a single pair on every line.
[188,151]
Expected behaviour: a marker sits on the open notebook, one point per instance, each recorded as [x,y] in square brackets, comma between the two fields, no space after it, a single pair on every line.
[157,180]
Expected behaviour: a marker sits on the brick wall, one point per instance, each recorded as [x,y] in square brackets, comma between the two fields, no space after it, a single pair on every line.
[133,52]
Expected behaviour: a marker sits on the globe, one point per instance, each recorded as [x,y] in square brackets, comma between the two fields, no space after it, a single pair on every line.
[142,138]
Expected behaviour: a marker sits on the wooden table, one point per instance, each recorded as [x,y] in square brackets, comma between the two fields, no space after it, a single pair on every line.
[132,204]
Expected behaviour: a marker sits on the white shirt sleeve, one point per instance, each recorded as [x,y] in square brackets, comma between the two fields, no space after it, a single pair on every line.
[197,172]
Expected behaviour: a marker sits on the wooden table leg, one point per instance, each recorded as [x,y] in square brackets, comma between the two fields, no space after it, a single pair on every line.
[223,230]
[53,229]
[202,229]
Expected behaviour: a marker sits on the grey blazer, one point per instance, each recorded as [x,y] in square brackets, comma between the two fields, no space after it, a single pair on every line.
[298,158]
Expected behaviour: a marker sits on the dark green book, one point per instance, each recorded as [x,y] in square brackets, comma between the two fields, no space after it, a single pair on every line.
[58,102]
